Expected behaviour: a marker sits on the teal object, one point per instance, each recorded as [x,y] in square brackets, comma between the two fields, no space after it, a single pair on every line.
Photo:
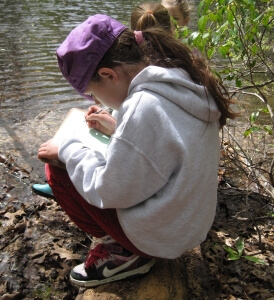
[43,190]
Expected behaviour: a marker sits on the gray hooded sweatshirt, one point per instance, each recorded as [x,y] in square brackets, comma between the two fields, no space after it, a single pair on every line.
[160,169]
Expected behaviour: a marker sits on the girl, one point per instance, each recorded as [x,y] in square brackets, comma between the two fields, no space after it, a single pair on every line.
[143,16]
[149,15]
[154,193]
[179,10]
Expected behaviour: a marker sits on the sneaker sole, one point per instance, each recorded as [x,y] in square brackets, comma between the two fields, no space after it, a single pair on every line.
[130,274]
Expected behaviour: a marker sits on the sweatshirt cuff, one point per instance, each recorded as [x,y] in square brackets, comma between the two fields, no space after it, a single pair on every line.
[67,148]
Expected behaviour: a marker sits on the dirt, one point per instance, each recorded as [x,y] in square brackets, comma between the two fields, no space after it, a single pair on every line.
[39,244]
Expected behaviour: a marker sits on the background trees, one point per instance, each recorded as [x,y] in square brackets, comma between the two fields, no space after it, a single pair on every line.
[237,37]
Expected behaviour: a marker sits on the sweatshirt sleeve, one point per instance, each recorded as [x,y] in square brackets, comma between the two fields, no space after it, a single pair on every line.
[126,178]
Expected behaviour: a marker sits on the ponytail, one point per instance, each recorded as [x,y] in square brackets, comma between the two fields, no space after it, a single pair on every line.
[161,49]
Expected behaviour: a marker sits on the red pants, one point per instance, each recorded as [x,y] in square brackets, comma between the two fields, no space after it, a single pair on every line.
[92,220]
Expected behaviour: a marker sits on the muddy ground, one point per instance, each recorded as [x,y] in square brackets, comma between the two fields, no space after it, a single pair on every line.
[39,245]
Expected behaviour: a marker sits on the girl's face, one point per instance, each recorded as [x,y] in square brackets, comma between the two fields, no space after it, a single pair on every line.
[111,88]
[177,15]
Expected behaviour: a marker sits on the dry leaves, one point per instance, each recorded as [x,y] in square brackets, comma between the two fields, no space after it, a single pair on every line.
[39,245]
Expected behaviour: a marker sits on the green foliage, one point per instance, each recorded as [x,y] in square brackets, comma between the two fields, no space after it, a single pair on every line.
[231,28]
[253,127]
[238,253]
[237,37]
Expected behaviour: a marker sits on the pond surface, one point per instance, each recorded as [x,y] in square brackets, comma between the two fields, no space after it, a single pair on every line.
[30,33]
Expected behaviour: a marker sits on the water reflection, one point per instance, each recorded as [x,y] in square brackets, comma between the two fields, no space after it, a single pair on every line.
[30,32]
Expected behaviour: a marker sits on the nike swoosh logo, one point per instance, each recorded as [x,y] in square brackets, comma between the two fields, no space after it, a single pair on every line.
[109,273]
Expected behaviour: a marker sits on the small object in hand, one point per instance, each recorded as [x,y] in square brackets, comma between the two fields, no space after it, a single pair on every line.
[109,110]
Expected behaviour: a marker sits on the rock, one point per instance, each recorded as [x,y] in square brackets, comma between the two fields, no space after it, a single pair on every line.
[179,279]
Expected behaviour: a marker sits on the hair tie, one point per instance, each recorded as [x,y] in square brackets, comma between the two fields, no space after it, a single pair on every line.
[150,12]
[138,37]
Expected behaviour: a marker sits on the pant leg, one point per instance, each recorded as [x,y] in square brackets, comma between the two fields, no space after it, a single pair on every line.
[92,220]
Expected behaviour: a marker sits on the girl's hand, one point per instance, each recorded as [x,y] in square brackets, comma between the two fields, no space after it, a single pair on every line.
[102,121]
[48,150]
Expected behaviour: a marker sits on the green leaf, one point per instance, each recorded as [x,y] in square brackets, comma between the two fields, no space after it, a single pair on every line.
[202,3]
[255,48]
[255,259]
[182,31]
[205,35]
[224,26]
[265,21]
[264,110]
[205,5]
[202,23]
[210,52]
[247,132]
[230,77]
[268,129]
[224,50]
[230,17]
[215,39]
[233,256]
[230,250]
[254,116]
[258,18]
[194,35]
[240,245]
[212,17]
[251,130]
[238,82]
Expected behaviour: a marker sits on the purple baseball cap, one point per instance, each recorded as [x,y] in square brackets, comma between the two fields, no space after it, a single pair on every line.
[80,53]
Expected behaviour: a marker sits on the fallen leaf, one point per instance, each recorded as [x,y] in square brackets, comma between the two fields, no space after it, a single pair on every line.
[12,217]
[64,253]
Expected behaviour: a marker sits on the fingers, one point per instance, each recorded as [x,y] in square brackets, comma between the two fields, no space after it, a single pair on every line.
[48,150]
[92,109]
[98,117]
[96,121]
[103,122]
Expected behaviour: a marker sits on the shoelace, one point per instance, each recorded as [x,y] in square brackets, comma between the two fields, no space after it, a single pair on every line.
[96,253]
[101,252]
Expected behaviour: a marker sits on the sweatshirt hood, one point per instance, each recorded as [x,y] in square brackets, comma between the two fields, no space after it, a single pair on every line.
[177,86]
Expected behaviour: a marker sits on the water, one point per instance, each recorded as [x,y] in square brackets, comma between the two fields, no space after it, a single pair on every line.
[30,33]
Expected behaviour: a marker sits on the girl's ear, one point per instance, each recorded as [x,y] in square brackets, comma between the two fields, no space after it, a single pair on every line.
[107,73]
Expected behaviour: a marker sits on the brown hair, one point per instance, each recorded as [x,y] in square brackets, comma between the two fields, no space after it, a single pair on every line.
[148,15]
[163,50]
